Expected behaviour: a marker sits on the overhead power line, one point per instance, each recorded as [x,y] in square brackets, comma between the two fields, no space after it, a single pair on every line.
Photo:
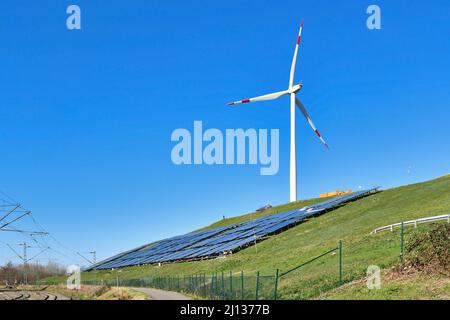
[12,212]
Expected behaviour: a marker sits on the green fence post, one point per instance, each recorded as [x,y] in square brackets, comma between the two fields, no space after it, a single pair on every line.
[242,284]
[276,285]
[216,289]
[211,288]
[223,286]
[231,285]
[401,242]
[195,283]
[204,285]
[257,286]
[340,263]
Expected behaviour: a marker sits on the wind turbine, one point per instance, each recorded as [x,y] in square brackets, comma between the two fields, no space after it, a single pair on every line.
[292,90]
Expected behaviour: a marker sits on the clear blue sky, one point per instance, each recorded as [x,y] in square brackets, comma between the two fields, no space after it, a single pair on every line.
[86,116]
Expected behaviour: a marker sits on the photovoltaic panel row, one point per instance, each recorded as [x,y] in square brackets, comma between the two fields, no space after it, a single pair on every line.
[162,247]
[214,242]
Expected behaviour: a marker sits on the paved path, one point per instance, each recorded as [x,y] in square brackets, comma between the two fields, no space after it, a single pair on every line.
[156,294]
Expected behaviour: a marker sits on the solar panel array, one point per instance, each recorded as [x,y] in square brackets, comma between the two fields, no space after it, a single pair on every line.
[214,242]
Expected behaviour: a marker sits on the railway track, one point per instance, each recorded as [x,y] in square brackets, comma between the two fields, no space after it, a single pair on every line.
[51,297]
[10,296]
[15,294]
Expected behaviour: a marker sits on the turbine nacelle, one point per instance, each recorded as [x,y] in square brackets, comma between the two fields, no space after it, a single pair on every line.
[296,88]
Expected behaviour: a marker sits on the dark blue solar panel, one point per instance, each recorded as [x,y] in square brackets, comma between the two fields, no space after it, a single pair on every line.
[214,242]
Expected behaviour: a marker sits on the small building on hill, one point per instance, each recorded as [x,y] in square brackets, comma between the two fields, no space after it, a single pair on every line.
[267,206]
[335,193]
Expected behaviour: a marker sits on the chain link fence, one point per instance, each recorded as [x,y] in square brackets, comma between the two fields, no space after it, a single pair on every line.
[312,277]
[220,286]
[346,262]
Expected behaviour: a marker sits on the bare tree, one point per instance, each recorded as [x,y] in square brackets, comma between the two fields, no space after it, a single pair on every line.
[11,274]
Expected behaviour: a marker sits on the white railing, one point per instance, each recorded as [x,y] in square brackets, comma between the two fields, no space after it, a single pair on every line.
[413,222]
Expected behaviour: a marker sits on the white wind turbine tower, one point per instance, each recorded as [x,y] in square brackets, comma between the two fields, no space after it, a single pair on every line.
[291,91]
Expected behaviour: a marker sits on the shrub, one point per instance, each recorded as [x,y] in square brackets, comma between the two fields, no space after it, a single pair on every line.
[430,250]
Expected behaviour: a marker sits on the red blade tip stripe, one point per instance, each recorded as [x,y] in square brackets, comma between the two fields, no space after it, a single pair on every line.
[245,101]
[298,40]
[318,134]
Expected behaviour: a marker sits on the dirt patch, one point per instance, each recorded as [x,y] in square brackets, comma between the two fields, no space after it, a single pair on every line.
[122,294]
[98,293]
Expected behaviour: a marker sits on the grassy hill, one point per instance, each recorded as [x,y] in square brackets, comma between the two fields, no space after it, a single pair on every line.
[423,274]
[351,223]
[273,210]
[414,286]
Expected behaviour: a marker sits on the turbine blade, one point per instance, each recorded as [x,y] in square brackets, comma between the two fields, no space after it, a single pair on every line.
[294,59]
[308,118]
[270,96]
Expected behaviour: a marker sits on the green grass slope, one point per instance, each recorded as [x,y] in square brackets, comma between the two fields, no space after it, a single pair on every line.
[414,286]
[424,272]
[351,223]
[273,210]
